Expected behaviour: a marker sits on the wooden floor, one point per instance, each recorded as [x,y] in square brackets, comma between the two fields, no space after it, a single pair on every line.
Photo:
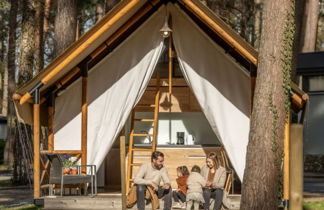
[103,201]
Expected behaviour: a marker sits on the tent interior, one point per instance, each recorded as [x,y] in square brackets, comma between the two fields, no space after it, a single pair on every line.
[209,99]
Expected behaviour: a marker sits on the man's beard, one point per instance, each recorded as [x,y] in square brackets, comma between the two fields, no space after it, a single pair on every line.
[158,166]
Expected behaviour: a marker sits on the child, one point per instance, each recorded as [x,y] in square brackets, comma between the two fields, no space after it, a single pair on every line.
[180,193]
[195,184]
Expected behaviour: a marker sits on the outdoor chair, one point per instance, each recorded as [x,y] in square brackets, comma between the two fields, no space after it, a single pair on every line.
[58,177]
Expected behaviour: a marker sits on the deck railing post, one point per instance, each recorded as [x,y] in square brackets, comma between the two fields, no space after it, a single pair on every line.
[123,170]
[84,114]
[36,109]
[296,167]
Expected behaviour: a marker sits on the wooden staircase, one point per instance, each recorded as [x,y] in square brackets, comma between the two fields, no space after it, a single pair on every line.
[132,148]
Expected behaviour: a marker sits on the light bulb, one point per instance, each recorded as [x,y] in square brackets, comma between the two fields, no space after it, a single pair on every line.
[166,34]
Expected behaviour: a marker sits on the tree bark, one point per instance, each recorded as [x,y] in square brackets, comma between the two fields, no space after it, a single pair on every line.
[4,107]
[257,23]
[110,4]
[47,10]
[261,182]
[27,42]
[39,45]
[65,25]
[309,26]
[2,37]
[8,153]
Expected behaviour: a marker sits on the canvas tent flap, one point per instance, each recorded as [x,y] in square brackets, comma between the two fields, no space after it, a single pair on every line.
[221,86]
[114,86]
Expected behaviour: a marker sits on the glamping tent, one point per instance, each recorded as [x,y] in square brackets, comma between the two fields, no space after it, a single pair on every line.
[86,94]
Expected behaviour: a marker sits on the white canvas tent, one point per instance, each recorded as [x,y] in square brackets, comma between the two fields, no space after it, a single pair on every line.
[221,86]
[220,83]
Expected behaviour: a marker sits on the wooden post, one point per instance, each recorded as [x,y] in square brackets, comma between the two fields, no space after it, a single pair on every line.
[84,115]
[170,66]
[286,163]
[36,145]
[50,119]
[123,170]
[296,167]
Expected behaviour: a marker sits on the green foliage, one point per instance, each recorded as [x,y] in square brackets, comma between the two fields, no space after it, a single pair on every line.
[24,207]
[4,5]
[313,205]
[275,145]
[287,54]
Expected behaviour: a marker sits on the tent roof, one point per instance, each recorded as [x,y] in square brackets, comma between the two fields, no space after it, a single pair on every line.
[113,28]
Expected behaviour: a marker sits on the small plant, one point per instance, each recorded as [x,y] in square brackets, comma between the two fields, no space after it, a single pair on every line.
[67,162]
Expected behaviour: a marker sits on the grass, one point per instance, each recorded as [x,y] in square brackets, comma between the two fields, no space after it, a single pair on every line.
[319,205]
[24,207]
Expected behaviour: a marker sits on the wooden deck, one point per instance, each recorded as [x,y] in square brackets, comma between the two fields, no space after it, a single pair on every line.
[103,201]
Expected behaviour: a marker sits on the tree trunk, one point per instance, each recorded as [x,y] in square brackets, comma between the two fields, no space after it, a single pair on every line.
[47,10]
[2,37]
[8,153]
[257,23]
[261,182]
[110,4]
[27,42]
[65,25]
[309,26]
[2,55]
[39,45]
[4,107]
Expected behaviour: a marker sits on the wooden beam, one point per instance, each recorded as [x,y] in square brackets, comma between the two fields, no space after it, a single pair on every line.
[17,97]
[170,65]
[286,162]
[219,30]
[67,78]
[50,123]
[62,152]
[72,55]
[45,172]
[120,31]
[36,129]
[84,115]
[296,167]
[123,169]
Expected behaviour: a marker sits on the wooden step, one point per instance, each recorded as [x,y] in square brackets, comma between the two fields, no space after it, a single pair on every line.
[143,149]
[86,202]
[103,202]
[144,120]
[145,106]
[142,134]
[136,164]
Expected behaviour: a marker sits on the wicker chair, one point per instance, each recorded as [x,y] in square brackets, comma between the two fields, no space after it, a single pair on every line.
[57,176]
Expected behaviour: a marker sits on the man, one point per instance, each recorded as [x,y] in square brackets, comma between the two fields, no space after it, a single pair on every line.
[150,174]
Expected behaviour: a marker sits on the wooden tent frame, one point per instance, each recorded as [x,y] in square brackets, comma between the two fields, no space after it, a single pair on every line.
[41,92]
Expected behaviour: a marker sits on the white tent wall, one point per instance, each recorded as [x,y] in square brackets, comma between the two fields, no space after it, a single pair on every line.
[221,86]
[115,85]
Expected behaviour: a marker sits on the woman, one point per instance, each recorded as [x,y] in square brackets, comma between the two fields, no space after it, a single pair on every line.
[215,176]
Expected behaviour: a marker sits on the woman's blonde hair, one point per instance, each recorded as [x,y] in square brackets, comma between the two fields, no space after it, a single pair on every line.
[215,158]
